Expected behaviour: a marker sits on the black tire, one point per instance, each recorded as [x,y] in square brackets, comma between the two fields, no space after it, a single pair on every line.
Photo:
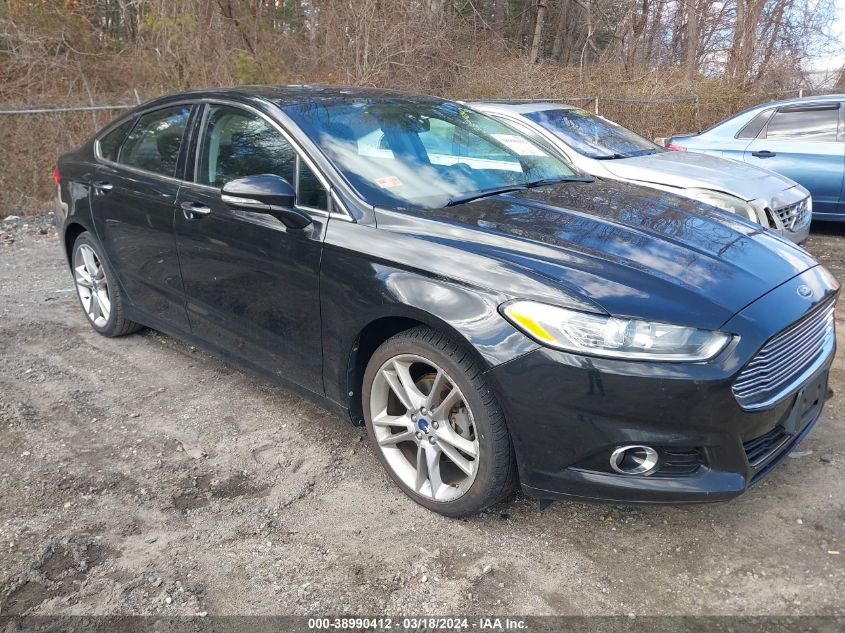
[116,325]
[496,477]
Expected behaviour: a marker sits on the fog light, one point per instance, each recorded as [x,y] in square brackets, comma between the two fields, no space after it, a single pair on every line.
[633,460]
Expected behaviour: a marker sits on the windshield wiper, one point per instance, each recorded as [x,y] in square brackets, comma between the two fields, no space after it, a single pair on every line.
[482,194]
[534,183]
[554,181]
[610,157]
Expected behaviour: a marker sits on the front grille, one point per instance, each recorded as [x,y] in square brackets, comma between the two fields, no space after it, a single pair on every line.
[794,214]
[761,448]
[782,363]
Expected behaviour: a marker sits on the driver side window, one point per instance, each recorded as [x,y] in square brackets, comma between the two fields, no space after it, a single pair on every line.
[236,143]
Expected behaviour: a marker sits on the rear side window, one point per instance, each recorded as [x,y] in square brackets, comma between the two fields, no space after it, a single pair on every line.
[110,143]
[818,125]
[153,144]
[755,126]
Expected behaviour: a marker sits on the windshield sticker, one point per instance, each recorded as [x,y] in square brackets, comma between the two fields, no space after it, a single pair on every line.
[519,145]
[388,182]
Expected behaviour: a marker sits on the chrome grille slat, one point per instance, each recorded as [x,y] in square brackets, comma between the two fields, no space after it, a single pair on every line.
[793,214]
[773,371]
[777,347]
[814,322]
[775,379]
[791,357]
[756,369]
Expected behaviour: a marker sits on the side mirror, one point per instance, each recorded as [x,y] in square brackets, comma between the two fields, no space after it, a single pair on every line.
[266,193]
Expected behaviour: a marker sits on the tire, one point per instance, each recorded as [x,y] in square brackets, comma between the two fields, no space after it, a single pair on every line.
[465,441]
[105,313]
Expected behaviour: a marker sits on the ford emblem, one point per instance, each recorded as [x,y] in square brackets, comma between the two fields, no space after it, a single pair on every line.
[805,291]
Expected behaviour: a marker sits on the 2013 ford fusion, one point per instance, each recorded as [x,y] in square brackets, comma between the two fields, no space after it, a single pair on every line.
[491,315]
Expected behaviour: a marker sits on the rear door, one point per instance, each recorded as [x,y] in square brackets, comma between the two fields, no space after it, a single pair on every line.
[251,283]
[134,194]
[805,144]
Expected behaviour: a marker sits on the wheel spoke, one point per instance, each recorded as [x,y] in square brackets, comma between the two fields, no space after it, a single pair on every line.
[82,277]
[94,307]
[86,301]
[452,398]
[393,380]
[436,388]
[385,419]
[448,435]
[456,458]
[422,469]
[432,462]
[395,438]
[105,304]
[88,258]
[414,396]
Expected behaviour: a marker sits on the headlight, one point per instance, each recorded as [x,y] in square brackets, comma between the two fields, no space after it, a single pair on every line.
[723,201]
[600,335]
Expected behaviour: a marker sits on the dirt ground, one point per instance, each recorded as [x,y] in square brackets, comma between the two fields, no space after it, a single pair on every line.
[142,476]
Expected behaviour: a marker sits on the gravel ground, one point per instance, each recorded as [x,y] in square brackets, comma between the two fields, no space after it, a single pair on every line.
[143,476]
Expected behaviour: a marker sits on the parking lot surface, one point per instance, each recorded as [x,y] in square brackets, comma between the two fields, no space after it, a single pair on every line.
[140,475]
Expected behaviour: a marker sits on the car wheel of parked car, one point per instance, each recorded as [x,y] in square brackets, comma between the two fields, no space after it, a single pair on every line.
[436,425]
[99,296]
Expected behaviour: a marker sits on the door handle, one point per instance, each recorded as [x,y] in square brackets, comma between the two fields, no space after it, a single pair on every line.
[102,186]
[193,210]
[763,154]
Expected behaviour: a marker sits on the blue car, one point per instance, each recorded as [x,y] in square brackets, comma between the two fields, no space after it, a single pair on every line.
[803,139]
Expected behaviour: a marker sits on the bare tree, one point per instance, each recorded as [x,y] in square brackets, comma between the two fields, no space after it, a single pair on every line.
[537,41]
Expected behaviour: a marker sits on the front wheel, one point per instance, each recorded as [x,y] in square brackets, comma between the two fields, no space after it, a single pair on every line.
[435,424]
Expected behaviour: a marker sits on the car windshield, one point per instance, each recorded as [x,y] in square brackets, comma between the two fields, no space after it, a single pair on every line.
[424,154]
[593,136]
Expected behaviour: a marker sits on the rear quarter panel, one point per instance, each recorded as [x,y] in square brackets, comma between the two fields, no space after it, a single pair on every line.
[73,194]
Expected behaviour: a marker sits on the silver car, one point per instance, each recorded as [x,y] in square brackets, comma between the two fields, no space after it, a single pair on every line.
[605,149]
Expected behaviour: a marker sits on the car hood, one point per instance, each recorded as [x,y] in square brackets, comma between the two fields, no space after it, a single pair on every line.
[628,250]
[692,169]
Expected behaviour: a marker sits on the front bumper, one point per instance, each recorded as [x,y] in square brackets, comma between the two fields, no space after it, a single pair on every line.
[566,413]
[798,235]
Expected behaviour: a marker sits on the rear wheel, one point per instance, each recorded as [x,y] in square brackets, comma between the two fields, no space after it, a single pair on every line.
[435,424]
[98,294]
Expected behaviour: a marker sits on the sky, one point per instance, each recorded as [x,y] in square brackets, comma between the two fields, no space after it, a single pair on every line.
[831,64]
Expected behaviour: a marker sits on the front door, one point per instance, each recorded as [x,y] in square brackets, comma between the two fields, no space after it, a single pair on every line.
[252,284]
[134,194]
[804,144]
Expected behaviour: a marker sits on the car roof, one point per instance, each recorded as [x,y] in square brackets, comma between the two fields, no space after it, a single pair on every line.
[293,94]
[766,105]
[520,106]
[802,100]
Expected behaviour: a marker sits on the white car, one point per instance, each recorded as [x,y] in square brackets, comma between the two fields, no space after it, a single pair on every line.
[605,149]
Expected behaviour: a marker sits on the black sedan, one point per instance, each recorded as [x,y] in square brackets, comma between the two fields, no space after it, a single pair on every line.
[491,315]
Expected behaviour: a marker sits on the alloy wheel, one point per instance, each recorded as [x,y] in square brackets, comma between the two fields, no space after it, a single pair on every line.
[92,285]
[424,427]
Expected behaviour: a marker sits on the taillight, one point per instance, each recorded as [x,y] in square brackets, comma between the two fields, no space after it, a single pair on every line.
[56,175]
[675,148]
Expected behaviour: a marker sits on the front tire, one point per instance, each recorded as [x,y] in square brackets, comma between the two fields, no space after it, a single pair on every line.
[435,424]
[97,290]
